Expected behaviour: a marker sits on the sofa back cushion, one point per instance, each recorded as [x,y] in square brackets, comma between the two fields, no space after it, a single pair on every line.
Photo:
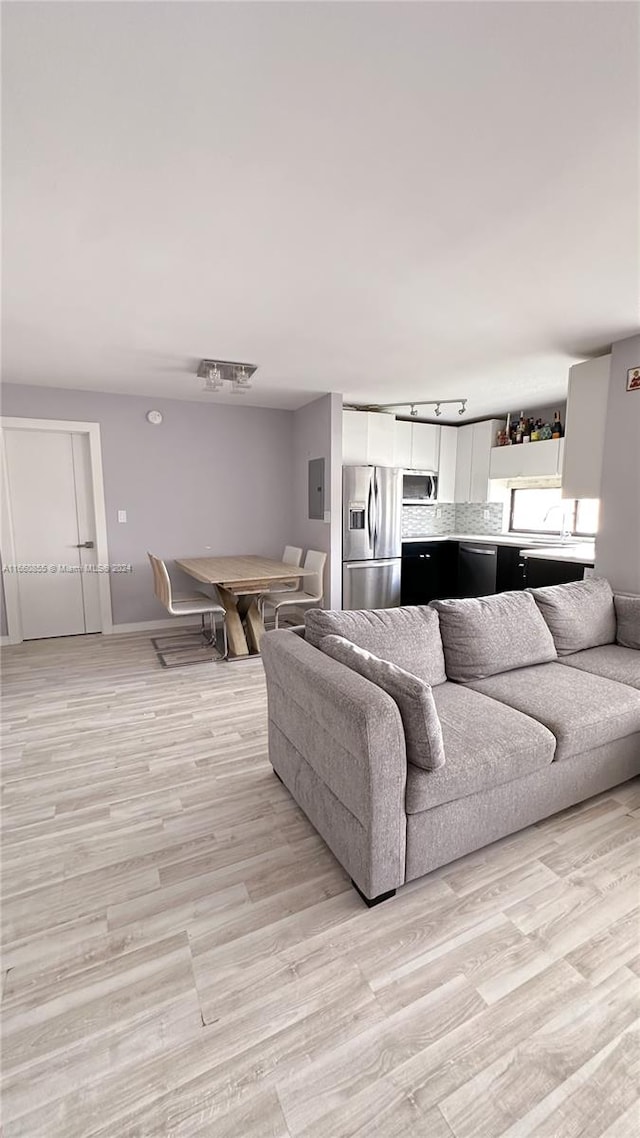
[627,609]
[422,729]
[408,637]
[486,635]
[580,614]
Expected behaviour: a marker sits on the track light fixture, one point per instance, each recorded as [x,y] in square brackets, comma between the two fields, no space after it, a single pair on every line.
[413,407]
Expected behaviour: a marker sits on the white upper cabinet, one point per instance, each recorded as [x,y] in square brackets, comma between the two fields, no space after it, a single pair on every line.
[447,464]
[463,464]
[584,428]
[425,446]
[381,438]
[475,441]
[354,438]
[528,460]
[368,438]
[484,437]
[417,445]
[402,444]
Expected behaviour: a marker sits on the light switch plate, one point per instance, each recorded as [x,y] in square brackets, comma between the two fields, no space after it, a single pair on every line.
[122,515]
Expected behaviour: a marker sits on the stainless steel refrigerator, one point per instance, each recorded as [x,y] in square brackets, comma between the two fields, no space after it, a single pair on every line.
[371,537]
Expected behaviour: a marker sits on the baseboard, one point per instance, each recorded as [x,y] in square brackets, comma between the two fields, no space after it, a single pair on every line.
[151,625]
[136,626]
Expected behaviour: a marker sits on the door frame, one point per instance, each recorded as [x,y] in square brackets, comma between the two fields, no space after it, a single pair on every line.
[7,543]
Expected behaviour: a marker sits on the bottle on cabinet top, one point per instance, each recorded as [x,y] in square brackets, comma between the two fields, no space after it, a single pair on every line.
[526,429]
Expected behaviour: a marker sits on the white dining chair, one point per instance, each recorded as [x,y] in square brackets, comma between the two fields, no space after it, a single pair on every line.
[292,556]
[196,603]
[312,592]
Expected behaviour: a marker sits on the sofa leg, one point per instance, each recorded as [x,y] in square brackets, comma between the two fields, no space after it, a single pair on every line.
[371,901]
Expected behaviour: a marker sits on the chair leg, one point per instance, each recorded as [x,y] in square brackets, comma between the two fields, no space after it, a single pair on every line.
[277,616]
[225,642]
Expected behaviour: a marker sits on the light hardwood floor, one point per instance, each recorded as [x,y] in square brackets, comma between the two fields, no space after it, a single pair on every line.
[183,956]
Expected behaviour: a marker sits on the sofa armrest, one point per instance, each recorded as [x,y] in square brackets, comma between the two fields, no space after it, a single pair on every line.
[337,742]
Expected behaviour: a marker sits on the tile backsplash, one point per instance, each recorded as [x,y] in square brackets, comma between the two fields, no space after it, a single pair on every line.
[470,517]
[419,520]
[452,517]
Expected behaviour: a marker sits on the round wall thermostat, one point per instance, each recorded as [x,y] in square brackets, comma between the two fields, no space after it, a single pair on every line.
[154,417]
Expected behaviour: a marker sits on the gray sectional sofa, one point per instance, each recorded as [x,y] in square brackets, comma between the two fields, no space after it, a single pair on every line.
[412,736]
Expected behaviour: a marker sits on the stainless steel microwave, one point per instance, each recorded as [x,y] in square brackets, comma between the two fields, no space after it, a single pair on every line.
[419,487]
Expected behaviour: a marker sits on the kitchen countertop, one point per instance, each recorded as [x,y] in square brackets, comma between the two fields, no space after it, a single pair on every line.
[486,538]
[583,554]
[529,545]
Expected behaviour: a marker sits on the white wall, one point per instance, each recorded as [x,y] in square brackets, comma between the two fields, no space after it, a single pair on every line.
[618,541]
[317,433]
[211,480]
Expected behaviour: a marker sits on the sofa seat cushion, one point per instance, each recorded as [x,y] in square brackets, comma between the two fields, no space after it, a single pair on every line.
[485,743]
[580,614]
[627,608]
[408,637]
[485,635]
[582,710]
[609,660]
[422,730]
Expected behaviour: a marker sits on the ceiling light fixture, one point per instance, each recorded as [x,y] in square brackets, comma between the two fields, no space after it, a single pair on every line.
[216,373]
[213,379]
[241,381]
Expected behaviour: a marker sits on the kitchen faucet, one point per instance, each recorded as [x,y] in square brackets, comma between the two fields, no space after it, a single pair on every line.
[565,532]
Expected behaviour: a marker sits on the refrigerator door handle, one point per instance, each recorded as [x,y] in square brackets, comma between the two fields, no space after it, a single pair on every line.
[376,491]
[371,523]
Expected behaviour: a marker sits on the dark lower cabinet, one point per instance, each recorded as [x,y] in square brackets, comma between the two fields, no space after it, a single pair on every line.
[511,569]
[540,572]
[429,571]
[433,570]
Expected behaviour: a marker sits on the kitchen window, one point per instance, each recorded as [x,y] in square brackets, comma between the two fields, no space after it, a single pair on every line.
[544,510]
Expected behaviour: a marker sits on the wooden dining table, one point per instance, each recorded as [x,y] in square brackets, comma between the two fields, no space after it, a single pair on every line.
[238,581]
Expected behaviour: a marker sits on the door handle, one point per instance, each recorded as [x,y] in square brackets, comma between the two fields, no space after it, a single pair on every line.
[85,545]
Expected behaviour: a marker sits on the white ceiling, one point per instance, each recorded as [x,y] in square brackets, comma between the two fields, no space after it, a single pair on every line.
[393,201]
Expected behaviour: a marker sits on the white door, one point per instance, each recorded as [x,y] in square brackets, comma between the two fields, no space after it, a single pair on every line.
[53,522]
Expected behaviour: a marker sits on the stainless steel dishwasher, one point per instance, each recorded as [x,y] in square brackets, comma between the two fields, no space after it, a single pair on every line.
[477,569]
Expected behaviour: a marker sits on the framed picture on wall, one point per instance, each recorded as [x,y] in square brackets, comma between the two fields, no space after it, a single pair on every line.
[633,379]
